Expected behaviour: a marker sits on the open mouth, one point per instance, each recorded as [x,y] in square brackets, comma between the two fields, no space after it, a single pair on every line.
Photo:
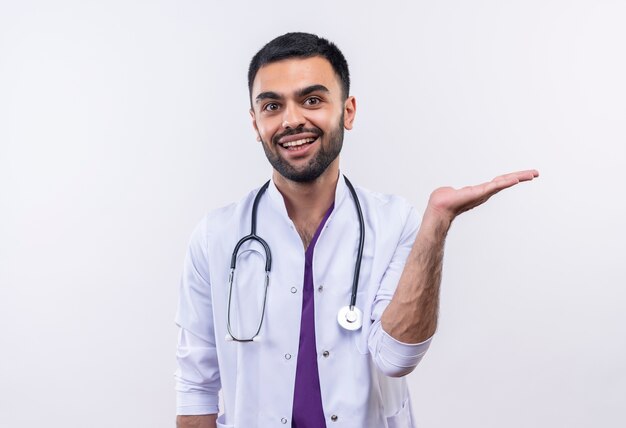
[298,144]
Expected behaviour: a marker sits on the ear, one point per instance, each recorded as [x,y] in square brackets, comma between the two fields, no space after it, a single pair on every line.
[349,112]
[256,129]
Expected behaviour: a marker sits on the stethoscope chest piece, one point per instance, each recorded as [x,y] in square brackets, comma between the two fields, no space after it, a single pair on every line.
[350,318]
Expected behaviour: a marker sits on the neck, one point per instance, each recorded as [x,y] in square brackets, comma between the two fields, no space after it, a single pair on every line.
[307,203]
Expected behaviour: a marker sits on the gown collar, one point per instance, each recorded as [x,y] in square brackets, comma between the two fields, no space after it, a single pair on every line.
[278,202]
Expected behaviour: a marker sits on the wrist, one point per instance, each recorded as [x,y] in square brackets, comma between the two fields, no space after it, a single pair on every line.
[436,221]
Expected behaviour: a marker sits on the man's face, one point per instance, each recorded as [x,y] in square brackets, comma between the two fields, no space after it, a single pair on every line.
[299,114]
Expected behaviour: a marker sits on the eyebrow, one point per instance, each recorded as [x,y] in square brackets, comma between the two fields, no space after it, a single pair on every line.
[269,95]
[313,88]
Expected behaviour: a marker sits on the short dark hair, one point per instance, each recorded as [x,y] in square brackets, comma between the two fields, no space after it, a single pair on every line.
[301,45]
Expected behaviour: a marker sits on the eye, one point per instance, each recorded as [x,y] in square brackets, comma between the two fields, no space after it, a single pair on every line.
[312,101]
[271,107]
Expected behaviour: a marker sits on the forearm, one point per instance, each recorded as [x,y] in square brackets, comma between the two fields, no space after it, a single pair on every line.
[201,421]
[411,316]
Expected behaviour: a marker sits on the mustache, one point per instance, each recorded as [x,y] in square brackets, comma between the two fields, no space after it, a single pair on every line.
[299,130]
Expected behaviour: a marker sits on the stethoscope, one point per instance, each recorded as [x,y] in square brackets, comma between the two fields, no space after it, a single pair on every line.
[349,317]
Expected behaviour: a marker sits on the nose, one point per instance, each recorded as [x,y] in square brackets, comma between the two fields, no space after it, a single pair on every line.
[292,117]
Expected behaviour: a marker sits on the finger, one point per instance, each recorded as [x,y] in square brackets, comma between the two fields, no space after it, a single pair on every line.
[513,178]
[525,175]
[506,182]
[499,183]
[482,192]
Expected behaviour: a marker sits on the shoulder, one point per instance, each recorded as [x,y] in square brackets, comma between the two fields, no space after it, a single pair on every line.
[224,218]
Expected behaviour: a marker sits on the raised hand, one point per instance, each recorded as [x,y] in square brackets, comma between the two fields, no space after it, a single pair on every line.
[411,316]
[449,202]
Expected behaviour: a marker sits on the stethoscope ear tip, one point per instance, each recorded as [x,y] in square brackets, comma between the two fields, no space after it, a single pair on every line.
[228,338]
[256,339]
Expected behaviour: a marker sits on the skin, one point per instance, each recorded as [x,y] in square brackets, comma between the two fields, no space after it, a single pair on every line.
[200,421]
[281,102]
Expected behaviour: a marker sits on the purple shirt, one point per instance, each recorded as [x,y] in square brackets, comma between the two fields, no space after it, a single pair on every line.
[307,399]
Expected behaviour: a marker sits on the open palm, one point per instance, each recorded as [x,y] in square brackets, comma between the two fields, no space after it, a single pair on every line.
[451,202]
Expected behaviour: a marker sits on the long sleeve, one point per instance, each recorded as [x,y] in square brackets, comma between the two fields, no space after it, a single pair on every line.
[197,375]
[392,357]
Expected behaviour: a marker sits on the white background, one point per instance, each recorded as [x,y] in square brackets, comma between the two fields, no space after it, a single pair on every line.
[123,122]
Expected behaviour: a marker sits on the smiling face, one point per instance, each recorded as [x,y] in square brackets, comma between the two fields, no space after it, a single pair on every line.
[299,113]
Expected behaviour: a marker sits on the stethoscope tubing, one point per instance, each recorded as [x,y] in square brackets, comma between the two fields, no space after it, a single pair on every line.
[357,265]
[233,264]
[253,236]
[352,310]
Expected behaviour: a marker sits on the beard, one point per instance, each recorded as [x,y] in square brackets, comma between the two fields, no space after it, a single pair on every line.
[317,165]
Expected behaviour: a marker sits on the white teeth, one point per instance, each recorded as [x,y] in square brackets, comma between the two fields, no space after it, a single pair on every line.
[298,142]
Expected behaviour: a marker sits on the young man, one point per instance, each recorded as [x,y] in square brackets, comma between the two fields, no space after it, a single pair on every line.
[299,350]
